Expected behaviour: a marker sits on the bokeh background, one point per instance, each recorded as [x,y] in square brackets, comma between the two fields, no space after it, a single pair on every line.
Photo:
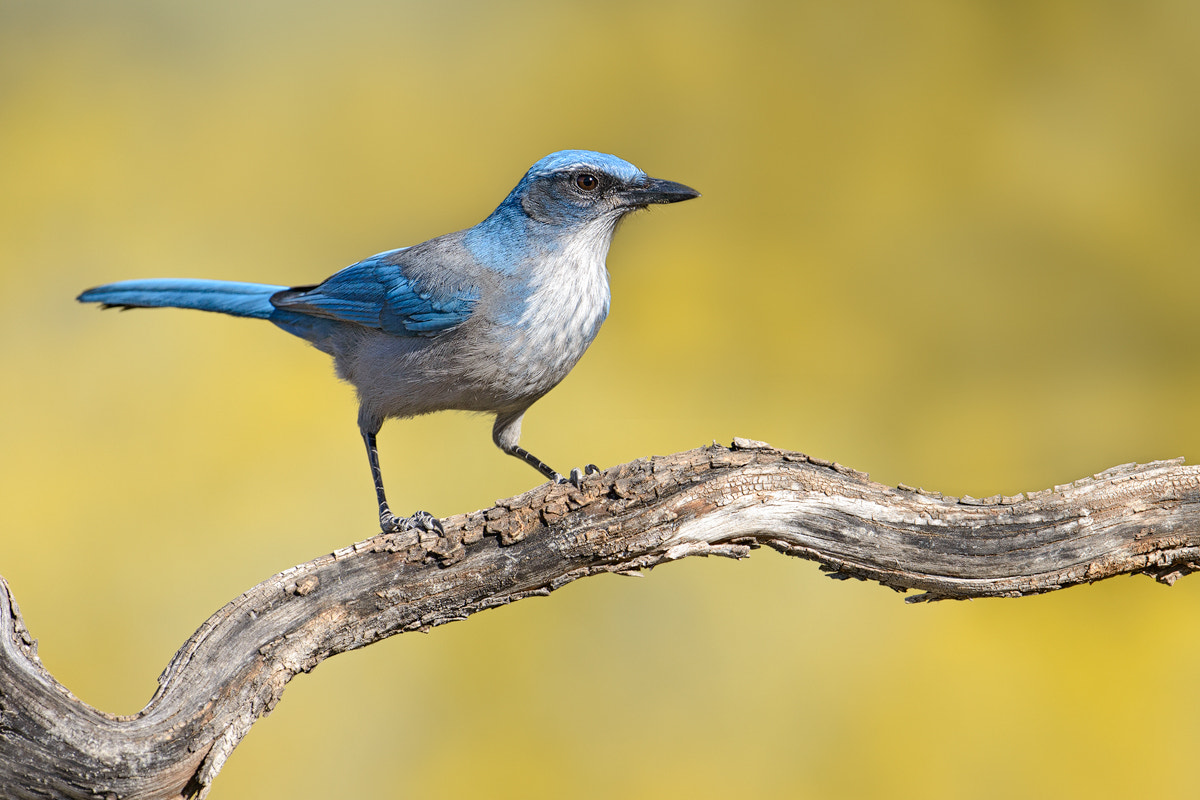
[952,244]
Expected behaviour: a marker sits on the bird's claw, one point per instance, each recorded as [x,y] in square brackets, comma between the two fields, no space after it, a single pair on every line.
[576,477]
[425,521]
[420,520]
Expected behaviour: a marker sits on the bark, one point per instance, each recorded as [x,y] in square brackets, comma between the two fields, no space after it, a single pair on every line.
[711,501]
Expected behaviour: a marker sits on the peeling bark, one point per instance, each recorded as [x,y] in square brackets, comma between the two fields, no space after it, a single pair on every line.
[711,501]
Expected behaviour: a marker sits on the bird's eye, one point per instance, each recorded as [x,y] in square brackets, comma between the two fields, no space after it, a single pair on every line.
[587,181]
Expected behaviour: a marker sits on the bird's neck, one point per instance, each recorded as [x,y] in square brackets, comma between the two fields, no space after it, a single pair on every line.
[569,283]
[560,269]
[502,242]
[511,243]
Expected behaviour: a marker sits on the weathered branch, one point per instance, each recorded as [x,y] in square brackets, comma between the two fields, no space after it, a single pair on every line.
[713,501]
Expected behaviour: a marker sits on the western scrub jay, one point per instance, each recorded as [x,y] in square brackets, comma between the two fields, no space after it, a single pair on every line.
[487,319]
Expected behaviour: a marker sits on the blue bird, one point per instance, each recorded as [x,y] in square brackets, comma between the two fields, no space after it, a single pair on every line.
[487,319]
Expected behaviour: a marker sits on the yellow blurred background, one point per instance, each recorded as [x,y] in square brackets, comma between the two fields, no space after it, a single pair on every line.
[952,244]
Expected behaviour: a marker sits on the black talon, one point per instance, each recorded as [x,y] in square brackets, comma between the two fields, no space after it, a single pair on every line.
[425,521]
[420,520]
[576,478]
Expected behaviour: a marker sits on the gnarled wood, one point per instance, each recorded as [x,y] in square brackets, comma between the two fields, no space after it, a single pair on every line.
[712,501]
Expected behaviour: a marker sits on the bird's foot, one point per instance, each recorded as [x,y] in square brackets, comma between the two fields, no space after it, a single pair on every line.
[576,478]
[419,521]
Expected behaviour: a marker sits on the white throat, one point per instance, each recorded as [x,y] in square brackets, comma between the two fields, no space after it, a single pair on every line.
[568,301]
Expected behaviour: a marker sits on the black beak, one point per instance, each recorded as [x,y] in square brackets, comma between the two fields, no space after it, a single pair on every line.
[657,191]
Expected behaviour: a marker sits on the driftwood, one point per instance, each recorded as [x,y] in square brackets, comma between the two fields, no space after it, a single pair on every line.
[712,501]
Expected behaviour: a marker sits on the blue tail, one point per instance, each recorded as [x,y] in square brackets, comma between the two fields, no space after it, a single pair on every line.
[226,297]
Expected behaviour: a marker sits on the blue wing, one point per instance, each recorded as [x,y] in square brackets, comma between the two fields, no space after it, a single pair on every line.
[377,293]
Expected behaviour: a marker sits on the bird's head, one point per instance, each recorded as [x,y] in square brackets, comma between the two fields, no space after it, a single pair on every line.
[578,187]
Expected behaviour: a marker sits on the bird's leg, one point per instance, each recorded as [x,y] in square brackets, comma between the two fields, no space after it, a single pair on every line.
[535,462]
[388,521]
[507,432]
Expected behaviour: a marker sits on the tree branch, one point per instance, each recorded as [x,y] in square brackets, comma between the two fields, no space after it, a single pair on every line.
[711,501]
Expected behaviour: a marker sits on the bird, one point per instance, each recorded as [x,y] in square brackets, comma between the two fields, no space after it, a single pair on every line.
[487,319]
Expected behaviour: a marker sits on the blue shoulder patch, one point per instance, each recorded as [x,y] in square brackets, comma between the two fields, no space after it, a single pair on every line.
[375,293]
